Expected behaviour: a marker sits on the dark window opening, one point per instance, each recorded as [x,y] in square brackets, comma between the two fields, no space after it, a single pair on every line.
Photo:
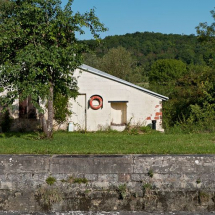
[27,110]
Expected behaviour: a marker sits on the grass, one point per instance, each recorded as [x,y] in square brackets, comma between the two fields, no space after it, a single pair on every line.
[107,143]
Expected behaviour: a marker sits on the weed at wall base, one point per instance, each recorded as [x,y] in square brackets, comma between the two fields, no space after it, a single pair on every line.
[122,190]
[150,173]
[47,196]
[50,180]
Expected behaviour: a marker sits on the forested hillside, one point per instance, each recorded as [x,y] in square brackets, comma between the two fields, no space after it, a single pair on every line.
[145,48]
[178,66]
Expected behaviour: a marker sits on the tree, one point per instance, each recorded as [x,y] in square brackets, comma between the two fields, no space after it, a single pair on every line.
[205,31]
[39,51]
[92,60]
[166,70]
[192,100]
[206,35]
[117,62]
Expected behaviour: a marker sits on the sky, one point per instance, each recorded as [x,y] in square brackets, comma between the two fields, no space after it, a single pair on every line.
[164,16]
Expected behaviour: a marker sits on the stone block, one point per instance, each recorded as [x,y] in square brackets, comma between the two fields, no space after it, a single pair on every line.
[124,177]
[135,177]
[113,164]
[91,177]
[71,164]
[24,163]
[108,178]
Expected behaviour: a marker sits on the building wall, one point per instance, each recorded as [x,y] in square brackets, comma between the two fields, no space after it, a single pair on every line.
[142,108]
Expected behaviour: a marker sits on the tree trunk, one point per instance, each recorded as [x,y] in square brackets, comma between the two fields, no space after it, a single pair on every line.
[44,124]
[50,111]
[47,125]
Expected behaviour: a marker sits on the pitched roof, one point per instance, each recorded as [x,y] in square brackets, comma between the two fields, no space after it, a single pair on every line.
[113,78]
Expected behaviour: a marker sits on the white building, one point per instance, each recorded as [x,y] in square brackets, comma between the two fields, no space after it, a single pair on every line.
[121,102]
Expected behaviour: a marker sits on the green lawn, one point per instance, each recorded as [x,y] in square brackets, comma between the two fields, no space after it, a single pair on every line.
[107,143]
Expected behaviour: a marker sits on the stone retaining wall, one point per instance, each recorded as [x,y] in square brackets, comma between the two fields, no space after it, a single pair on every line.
[107,183]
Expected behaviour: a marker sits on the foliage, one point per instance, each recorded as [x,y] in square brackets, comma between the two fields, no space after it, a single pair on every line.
[133,131]
[50,180]
[191,107]
[198,181]
[191,103]
[205,32]
[203,196]
[148,47]
[138,75]
[80,180]
[122,190]
[71,180]
[47,196]
[117,62]
[61,109]
[92,60]
[147,186]
[167,70]
[150,173]
[39,51]
[148,192]
[146,129]
[138,129]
